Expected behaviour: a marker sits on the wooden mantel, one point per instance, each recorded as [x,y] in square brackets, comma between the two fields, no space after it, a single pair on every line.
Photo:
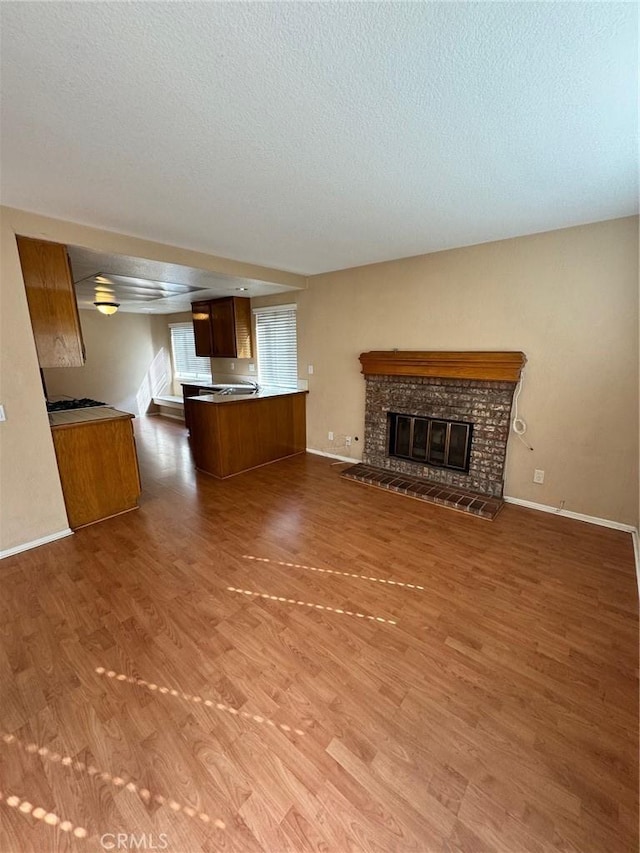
[496,366]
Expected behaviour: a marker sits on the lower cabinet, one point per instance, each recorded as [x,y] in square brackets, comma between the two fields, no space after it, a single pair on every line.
[191,391]
[236,435]
[98,468]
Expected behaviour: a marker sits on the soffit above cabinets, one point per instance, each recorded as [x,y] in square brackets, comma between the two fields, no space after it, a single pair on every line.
[144,286]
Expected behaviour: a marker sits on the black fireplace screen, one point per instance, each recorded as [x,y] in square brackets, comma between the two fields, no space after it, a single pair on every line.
[444,444]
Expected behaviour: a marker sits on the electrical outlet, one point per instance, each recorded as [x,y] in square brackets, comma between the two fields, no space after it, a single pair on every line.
[3,417]
[347,441]
[252,368]
[309,369]
[330,435]
[232,365]
[538,476]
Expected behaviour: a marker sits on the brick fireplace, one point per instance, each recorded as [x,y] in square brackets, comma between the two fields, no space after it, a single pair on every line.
[439,419]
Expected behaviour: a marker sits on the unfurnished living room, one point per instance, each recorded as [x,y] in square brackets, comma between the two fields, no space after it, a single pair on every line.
[319,434]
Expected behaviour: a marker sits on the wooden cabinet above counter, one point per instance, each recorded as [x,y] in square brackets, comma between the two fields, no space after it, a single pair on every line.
[52,303]
[222,327]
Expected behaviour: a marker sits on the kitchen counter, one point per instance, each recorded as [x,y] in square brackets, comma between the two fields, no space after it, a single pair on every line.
[97,461]
[86,415]
[230,434]
[262,394]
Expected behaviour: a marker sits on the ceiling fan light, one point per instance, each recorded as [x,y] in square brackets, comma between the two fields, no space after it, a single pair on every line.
[107,307]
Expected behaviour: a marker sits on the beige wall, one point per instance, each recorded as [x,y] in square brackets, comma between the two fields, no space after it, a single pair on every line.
[31,504]
[568,299]
[120,352]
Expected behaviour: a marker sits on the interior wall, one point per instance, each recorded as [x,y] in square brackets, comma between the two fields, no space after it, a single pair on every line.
[31,502]
[120,353]
[568,299]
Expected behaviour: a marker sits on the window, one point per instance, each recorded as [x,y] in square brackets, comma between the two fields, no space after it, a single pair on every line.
[186,364]
[277,346]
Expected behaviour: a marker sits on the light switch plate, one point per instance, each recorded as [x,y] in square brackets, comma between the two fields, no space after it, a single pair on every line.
[3,417]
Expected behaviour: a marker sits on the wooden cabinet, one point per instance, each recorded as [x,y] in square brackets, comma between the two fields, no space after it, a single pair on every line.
[52,303]
[222,327]
[201,317]
[191,391]
[237,435]
[98,468]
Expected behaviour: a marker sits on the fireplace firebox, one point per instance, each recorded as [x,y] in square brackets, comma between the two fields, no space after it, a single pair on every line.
[430,441]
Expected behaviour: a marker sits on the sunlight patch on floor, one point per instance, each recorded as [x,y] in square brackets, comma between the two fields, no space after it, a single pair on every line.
[310,604]
[190,697]
[37,812]
[117,781]
[332,572]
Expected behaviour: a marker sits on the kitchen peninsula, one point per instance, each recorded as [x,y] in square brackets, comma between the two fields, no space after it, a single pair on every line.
[233,433]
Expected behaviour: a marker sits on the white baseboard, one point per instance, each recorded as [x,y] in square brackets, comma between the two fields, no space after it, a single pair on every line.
[26,546]
[333,456]
[566,513]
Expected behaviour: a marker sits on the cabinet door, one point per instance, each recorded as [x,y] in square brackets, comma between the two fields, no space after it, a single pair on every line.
[223,325]
[201,316]
[188,391]
[52,303]
[242,307]
[75,305]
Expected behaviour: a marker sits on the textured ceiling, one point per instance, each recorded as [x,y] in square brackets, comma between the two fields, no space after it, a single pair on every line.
[316,136]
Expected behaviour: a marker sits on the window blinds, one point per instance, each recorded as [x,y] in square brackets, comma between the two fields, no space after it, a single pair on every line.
[186,364]
[277,346]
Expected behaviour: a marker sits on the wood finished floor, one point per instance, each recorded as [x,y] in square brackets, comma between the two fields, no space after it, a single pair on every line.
[500,713]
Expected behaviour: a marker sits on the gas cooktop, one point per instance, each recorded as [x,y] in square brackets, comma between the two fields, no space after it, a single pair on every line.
[63,405]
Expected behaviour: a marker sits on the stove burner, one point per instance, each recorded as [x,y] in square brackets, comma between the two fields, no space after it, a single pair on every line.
[63,405]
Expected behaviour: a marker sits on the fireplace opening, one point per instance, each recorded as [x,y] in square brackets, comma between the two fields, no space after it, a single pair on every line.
[430,441]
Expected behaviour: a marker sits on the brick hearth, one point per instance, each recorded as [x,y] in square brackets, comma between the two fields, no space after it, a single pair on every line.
[416,487]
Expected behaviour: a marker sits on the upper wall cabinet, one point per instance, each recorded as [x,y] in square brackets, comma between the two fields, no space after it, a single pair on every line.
[201,317]
[222,327]
[52,303]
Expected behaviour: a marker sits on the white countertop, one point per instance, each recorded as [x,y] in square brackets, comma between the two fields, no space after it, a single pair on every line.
[262,394]
[86,415]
